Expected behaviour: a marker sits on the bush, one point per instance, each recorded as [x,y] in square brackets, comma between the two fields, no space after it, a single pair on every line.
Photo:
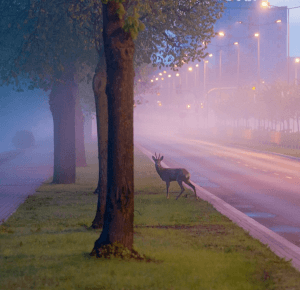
[23,139]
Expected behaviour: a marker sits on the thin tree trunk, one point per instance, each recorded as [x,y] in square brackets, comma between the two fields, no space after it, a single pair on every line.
[99,85]
[79,135]
[119,212]
[62,106]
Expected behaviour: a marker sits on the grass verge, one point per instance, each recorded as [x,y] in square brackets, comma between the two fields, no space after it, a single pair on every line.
[250,144]
[46,243]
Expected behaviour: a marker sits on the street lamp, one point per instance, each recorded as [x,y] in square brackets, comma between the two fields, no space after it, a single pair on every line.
[221,33]
[297,60]
[258,57]
[266,4]
[238,62]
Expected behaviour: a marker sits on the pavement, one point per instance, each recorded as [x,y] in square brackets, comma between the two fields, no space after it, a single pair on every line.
[279,245]
[21,173]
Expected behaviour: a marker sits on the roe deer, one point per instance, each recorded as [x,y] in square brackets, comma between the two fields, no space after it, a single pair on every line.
[173,174]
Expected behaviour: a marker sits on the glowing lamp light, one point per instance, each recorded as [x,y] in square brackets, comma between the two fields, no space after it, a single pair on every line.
[221,33]
[297,60]
[197,65]
[265,4]
[256,34]
[206,61]
[278,21]
[190,68]
[165,72]
[151,81]
[160,74]
[156,79]
[236,43]
[188,106]
[177,74]
[162,79]
[210,55]
[253,88]
[169,76]
[240,22]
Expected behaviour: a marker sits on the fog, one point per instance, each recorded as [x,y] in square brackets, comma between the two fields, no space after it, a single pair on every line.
[27,110]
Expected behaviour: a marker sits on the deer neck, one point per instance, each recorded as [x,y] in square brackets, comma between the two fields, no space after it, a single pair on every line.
[159,169]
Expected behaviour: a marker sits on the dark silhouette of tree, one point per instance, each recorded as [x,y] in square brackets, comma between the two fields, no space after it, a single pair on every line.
[48,48]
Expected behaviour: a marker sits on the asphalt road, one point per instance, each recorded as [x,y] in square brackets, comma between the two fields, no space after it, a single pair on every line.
[21,173]
[264,186]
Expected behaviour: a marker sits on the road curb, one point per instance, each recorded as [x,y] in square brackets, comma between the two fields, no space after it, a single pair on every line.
[279,245]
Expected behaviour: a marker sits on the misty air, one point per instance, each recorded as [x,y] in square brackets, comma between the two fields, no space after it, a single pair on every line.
[150,144]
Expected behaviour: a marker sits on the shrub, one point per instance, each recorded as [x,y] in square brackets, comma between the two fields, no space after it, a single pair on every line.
[23,139]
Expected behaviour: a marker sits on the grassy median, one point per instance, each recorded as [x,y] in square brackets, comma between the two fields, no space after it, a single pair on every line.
[46,243]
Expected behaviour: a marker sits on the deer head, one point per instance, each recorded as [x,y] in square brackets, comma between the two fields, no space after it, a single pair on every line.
[158,159]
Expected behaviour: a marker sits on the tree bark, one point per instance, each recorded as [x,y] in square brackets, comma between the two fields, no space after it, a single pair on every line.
[119,212]
[62,106]
[79,135]
[99,85]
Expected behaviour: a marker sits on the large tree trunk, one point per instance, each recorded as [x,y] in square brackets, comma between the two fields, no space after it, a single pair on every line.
[62,106]
[119,212]
[79,135]
[99,85]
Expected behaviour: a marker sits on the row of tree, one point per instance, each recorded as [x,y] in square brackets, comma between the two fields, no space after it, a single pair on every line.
[274,107]
[52,45]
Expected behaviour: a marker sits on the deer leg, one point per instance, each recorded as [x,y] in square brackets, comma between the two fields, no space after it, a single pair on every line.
[168,184]
[192,186]
[182,188]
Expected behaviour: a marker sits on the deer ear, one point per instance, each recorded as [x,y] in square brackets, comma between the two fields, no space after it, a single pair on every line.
[161,158]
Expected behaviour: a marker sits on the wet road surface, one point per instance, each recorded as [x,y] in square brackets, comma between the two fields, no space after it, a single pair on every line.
[263,186]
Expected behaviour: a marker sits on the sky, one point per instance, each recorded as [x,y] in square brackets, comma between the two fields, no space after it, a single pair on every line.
[294,24]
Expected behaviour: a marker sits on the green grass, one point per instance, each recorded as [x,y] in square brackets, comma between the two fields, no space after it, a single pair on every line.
[46,243]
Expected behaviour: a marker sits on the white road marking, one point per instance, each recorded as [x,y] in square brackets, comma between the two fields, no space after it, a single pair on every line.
[288,177]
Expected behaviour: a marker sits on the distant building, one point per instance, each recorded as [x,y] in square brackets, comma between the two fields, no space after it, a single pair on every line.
[234,59]
[240,62]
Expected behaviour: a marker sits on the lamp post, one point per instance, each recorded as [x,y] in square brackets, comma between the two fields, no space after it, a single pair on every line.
[266,4]
[258,58]
[204,90]
[238,62]
[222,34]
[297,60]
